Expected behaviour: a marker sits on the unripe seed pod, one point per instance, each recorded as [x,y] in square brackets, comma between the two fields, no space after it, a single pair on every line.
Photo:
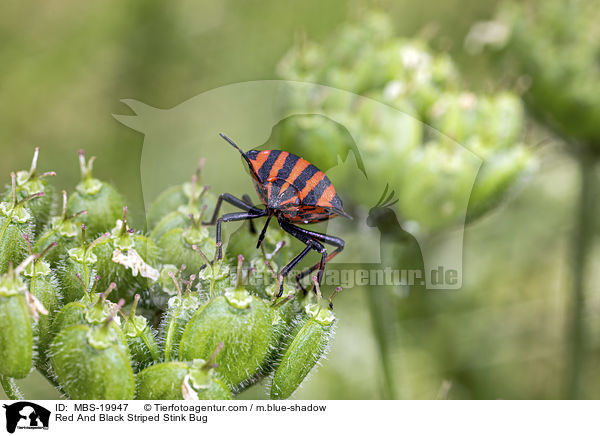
[79,265]
[308,345]
[15,221]
[181,217]
[214,277]
[180,310]
[181,195]
[102,201]
[29,182]
[128,259]
[181,381]
[90,364]
[62,230]
[176,247]
[18,310]
[140,339]
[44,286]
[91,310]
[243,323]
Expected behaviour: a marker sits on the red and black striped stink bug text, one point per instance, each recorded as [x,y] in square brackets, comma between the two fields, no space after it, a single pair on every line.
[295,192]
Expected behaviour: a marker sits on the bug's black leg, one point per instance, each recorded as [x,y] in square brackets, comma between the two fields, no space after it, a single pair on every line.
[248,201]
[236,216]
[263,232]
[234,201]
[326,239]
[312,244]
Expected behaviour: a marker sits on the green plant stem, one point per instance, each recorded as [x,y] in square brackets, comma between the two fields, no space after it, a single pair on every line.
[384,327]
[582,238]
[11,389]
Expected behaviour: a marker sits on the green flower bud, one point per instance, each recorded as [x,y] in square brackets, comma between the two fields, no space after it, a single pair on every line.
[102,201]
[243,323]
[141,339]
[89,363]
[194,380]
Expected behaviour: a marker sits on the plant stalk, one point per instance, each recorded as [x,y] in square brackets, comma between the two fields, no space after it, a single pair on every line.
[384,327]
[582,238]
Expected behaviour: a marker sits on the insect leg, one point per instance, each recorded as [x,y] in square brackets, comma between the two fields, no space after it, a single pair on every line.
[248,201]
[312,244]
[236,216]
[234,201]
[326,239]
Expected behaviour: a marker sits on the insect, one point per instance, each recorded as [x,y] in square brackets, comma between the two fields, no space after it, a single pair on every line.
[295,192]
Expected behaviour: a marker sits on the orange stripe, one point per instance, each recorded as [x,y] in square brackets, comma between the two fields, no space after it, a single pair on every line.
[310,185]
[295,173]
[327,196]
[277,165]
[261,157]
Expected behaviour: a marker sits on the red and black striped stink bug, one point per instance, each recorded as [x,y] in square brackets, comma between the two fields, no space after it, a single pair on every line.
[295,192]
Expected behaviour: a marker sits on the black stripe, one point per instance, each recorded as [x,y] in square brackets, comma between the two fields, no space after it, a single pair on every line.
[283,174]
[315,194]
[288,165]
[265,169]
[304,177]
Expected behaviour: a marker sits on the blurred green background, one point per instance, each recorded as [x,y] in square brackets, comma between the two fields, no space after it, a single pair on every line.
[65,66]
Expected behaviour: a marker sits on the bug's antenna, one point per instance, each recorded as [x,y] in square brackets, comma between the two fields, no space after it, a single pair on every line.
[242,153]
[232,143]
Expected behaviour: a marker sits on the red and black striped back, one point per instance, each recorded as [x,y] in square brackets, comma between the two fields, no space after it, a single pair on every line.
[294,186]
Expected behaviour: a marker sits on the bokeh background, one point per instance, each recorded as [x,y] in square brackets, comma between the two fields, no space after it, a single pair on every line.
[64,67]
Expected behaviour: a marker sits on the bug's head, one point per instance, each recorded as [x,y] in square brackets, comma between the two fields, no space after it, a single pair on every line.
[382,212]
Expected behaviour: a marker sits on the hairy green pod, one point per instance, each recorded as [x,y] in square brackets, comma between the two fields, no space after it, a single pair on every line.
[167,381]
[102,201]
[79,265]
[180,310]
[183,216]
[243,323]
[29,182]
[141,340]
[186,194]
[89,364]
[176,248]
[16,336]
[43,285]
[128,259]
[61,230]
[214,279]
[15,221]
[309,344]
[16,325]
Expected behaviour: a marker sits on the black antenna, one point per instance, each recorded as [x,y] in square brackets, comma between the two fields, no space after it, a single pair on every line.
[242,153]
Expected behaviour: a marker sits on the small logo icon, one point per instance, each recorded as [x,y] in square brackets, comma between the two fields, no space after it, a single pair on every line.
[26,415]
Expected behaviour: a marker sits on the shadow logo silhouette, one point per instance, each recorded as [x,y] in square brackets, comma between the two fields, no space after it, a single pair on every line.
[26,415]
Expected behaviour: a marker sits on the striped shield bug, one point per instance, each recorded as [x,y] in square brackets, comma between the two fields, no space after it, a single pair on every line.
[294,191]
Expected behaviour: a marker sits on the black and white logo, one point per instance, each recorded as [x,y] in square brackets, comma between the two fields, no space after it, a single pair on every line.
[26,415]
